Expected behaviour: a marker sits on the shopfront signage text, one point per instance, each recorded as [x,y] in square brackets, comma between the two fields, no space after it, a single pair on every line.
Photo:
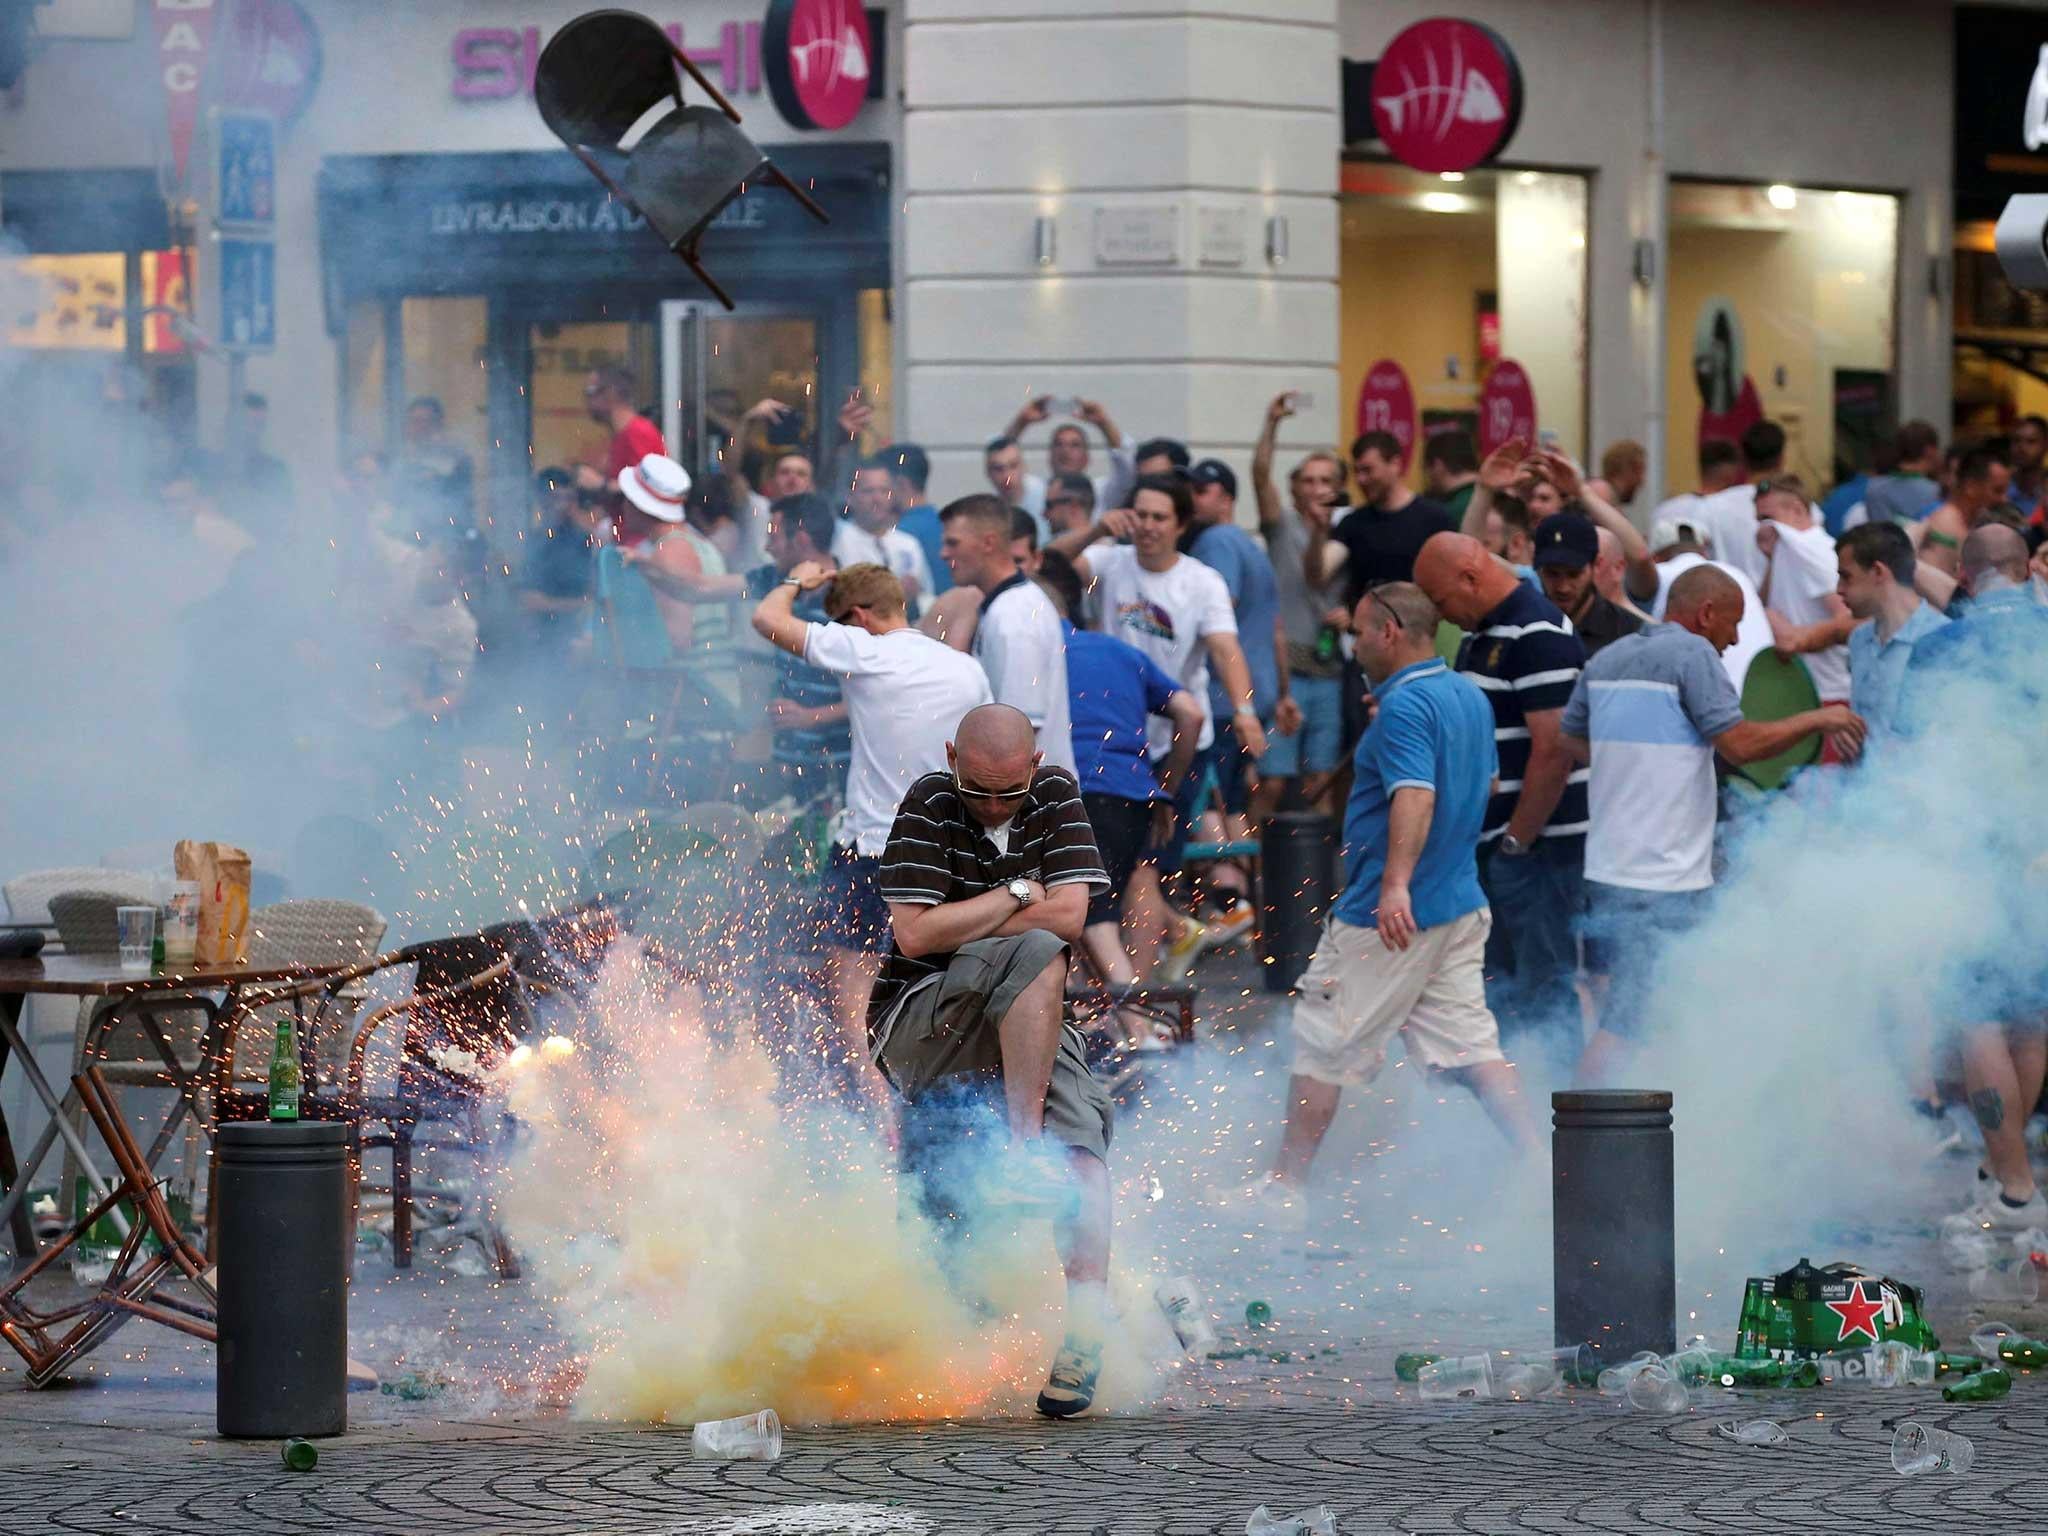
[494,63]
[1507,406]
[568,216]
[819,55]
[1446,95]
[1386,403]
[183,29]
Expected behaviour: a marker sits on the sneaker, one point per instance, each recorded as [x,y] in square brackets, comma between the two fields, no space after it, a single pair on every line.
[1179,957]
[1999,1216]
[1273,1204]
[1070,1385]
[1230,926]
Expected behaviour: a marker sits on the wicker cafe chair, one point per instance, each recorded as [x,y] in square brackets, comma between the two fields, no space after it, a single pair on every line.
[604,72]
[464,995]
[28,896]
[311,932]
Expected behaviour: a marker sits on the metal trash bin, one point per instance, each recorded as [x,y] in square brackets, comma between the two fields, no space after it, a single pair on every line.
[282,1236]
[1614,1249]
[1297,883]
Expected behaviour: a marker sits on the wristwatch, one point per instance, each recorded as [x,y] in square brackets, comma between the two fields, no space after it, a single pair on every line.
[790,581]
[1021,889]
[1512,845]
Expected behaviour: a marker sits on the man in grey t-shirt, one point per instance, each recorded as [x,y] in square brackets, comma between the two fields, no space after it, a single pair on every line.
[1311,617]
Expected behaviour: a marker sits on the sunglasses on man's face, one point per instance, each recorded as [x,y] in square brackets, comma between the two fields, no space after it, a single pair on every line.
[967,792]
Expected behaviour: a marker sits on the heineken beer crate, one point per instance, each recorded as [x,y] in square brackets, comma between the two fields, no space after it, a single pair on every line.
[1808,1311]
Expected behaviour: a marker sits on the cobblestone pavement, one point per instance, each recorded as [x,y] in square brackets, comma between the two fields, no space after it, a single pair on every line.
[1409,1252]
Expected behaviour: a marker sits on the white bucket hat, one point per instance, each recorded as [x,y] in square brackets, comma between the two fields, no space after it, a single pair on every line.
[657,485]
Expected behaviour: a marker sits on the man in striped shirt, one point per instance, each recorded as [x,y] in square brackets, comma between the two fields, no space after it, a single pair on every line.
[1519,648]
[987,876]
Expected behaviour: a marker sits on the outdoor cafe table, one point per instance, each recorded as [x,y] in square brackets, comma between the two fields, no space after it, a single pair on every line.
[212,991]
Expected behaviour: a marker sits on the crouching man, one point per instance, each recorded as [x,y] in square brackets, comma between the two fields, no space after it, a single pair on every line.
[987,876]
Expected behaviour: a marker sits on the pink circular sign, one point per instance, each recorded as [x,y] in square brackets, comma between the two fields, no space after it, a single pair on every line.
[1446,94]
[1386,403]
[818,56]
[1507,406]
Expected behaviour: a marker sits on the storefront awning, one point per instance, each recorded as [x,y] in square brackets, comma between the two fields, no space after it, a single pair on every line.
[422,224]
[61,213]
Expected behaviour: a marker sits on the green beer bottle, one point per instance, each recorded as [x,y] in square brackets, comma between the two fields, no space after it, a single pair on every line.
[2025,1354]
[1326,643]
[1736,1371]
[1978,1387]
[284,1074]
[1801,1373]
[1946,1364]
[1409,1367]
[1258,1314]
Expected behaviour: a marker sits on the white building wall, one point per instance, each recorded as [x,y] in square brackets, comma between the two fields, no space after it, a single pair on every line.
[1074,110]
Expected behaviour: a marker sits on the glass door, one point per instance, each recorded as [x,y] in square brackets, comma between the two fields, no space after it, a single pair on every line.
[719,365]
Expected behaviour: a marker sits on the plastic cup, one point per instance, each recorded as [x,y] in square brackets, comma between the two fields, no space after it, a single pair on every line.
[1467,1377]
[1181,1300]
[751,1437]
[1755,1432]
[136,930]
[2006,1280]
[1917,1449]
[1654,1389]
[1613,1382]
[181,923]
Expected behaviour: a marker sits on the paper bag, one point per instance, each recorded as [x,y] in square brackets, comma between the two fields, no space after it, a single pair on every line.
[222,871]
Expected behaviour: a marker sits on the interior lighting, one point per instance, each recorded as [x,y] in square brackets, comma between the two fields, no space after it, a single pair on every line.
[1781,196]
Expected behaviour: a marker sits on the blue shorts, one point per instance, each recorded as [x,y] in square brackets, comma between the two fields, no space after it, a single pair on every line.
[1233,781]
[1318,747]
[1169,856]
[851,912]
[1628,934]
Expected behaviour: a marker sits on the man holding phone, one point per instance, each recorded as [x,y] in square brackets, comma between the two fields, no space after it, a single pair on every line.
[1069,455]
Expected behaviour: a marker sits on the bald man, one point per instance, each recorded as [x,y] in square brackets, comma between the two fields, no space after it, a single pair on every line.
[1522,652]
[1993,651]
[1648,714]
[987,875]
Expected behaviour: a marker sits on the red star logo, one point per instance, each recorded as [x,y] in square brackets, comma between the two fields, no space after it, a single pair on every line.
[1859,1312]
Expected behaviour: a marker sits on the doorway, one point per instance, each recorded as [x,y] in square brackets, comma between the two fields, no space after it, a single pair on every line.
[718,364]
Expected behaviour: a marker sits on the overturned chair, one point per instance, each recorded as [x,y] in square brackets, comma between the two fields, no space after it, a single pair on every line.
[604,72]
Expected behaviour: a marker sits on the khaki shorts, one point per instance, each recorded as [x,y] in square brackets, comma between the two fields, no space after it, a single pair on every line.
[944,1029]
[1356,993]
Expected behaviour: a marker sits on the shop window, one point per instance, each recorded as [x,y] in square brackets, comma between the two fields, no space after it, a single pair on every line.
[443,348]
[1782,303]
[366,362]
[1449,275]
[877,362]
[564,355]
[67,303]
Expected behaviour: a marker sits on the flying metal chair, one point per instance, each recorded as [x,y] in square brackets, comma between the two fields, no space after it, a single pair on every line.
[602,73]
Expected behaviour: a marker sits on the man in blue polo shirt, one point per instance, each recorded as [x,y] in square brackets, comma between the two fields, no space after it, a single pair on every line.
[1406,944]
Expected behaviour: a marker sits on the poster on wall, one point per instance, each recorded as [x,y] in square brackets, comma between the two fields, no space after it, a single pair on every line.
[1386,403]
[1507,406]
[1729,403]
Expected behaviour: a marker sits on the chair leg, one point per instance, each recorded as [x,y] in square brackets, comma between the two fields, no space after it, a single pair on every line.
[401,1195]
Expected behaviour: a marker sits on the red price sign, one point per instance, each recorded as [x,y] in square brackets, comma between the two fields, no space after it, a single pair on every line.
[1386,403]
[1507,406]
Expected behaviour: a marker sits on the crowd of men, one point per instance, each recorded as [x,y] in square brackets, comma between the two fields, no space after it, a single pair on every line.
[1520,693]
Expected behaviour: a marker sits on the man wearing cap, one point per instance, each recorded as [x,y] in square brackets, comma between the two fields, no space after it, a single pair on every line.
[1567,550]
[652,538]
[1255,598]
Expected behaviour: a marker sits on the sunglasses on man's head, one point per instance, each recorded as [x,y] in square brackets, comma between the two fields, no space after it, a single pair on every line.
[968,793]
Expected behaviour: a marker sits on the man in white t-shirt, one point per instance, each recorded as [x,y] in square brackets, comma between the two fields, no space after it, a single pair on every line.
[868,535]
[1649,713]
[905,692]
[1177,611]
[1017,635]
[1752,635]
[1800,576]
[1720,469]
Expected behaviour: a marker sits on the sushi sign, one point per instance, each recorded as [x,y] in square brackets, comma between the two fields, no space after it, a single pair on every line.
[1446,95]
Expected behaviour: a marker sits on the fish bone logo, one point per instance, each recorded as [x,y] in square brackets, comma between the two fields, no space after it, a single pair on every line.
[1446,95]
[828,48]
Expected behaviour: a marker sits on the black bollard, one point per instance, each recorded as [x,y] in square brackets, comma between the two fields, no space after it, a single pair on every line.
[283,1246]
[1613,1247]
[1298,881]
